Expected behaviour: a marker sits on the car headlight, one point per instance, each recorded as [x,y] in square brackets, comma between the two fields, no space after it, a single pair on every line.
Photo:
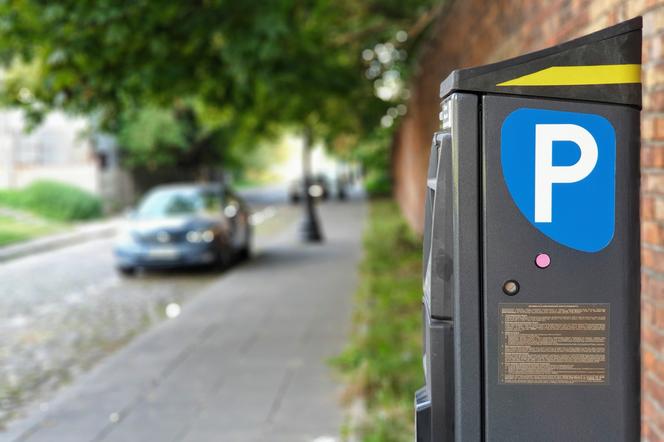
[207,236]
[125,237]
[198,236]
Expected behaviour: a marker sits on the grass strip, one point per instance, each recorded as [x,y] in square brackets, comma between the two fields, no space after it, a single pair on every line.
[382,363]
[13,230]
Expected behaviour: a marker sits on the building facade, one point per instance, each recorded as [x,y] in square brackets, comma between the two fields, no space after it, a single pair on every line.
[62,148]
[56,150]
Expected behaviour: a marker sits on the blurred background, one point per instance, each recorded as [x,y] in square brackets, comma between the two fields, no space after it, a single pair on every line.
[210,211]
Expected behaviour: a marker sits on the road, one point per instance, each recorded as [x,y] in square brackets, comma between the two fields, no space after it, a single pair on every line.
[67,310]
[64,310]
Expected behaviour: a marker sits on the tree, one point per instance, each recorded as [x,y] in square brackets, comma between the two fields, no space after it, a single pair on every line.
[282,61]
[250,66]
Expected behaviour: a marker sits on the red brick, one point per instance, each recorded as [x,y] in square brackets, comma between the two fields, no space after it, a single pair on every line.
[648,334]
[659,128]
[645,428]
[652,429]
[657,343]
[654,100]
[659,208]
[648,128]
[649,360]
[652,232]
[659,322]
[636,7]
[652,156]
[648,406]
[647,314]
[653,288]
[655,46]
[648,207]
[652,259]
[655,390]
[653,75]
[652,127]
[653,21]
[652,182]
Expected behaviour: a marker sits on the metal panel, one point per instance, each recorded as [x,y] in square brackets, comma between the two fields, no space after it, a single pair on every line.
[451,278]
[616,45]
[554,412]
[422,416]
[464,115]
[440,385]
[438,278]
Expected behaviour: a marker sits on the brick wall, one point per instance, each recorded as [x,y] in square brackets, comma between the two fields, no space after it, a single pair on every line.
[473,32]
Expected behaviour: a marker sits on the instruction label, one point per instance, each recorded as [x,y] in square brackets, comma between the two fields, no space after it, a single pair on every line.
[554,343]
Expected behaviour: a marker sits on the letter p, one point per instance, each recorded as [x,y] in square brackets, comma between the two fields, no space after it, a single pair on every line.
[546,174]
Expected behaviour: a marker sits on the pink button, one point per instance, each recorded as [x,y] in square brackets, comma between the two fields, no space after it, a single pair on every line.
[542,260]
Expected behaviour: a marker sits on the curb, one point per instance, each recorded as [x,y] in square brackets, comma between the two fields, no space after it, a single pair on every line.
[53,242]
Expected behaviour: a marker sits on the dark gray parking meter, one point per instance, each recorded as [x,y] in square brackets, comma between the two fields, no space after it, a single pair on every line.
[531,248]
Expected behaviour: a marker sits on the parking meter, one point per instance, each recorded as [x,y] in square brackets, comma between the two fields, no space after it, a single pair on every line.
[531,248]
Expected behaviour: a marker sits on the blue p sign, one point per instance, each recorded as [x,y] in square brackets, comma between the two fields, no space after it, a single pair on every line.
[559,168]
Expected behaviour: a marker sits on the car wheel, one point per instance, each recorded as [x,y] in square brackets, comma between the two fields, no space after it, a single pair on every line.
[224,259]
[127,271]
[245,252]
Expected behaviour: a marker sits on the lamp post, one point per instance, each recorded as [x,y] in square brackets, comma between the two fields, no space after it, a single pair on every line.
[310,230]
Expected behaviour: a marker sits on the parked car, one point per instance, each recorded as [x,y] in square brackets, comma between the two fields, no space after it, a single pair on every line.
[184,225]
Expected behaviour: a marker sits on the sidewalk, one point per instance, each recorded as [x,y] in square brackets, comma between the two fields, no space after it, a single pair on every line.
[244,361]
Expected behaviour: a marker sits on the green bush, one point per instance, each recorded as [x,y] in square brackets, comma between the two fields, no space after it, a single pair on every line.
[382,363]
[54,200]
[378,183]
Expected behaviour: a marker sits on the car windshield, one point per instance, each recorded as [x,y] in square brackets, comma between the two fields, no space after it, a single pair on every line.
[177,202]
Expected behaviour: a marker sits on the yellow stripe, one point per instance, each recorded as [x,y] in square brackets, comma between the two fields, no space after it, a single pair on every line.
[580,75]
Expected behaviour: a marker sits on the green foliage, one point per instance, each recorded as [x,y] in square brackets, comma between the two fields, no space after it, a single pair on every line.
[151,136]
[375,154]
[247,66]
[378,183]
[382,363]
[54,200]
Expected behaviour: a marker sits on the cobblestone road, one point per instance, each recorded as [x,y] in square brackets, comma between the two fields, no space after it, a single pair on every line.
[63,311]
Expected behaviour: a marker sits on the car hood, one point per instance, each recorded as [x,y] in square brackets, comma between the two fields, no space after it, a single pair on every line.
[143,226]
